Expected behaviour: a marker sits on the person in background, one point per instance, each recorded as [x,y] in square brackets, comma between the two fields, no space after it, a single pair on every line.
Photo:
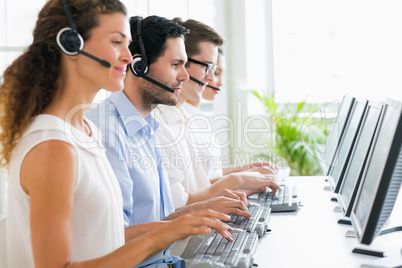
[64,206]
[128,129]
[212,88]
[212,154]
[187,175]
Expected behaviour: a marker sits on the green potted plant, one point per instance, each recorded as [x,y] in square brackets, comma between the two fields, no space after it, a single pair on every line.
[299,137]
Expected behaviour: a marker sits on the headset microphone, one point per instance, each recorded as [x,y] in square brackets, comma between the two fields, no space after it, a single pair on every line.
[158,84]
[102,62]
[139,65]
[197,81]
[71,42]
[214,88]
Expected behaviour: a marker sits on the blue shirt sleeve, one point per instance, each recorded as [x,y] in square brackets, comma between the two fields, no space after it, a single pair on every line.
[119,166]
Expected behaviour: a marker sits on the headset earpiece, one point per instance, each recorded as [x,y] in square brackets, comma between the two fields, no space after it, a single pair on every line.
[138,66]
[69,41]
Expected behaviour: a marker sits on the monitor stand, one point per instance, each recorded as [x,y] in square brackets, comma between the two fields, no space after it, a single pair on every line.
[338,209]
[379,266]
[396,264]
[344,221]
[369,252]
[376,253]
[350,233]
[327,188]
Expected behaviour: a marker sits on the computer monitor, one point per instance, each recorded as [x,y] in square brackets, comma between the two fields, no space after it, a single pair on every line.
[382,176]
[336,132]
[355,167]
[342,154]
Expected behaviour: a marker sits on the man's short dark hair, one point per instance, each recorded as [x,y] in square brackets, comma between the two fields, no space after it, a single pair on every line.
[199,32]
[155,31]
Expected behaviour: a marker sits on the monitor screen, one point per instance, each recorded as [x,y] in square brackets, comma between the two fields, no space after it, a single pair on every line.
[358,157]
[345,147]
[336,132]
[381,178]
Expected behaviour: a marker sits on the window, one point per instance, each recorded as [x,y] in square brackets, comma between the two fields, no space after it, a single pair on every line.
[16,26]
[323,49]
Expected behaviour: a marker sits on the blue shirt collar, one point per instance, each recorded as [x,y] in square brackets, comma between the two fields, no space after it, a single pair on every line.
[152,122]
[131,118]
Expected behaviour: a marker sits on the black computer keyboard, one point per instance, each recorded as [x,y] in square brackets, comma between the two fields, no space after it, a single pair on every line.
[216,251]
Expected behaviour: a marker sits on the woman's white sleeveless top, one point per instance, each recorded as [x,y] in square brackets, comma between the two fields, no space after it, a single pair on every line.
[97,218]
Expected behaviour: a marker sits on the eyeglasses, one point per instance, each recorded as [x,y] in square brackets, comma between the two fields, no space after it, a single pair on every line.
[209,67]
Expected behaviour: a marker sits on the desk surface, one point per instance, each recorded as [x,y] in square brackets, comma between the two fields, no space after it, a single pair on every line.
[311,236]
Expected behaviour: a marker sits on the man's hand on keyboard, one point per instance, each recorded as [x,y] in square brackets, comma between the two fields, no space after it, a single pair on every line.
[254,181]
[226,201]
[263,167]
[194,223]
[226,205]
[269,170]
[250,192]
[237,195]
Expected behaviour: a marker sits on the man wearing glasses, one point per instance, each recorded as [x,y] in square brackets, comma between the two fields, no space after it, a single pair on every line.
[182,157]
[184,174]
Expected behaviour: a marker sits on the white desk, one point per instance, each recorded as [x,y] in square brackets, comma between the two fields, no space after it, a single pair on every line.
[311,236]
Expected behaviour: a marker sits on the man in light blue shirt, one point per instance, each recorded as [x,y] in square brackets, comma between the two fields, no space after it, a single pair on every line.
[130,142]
[128,129]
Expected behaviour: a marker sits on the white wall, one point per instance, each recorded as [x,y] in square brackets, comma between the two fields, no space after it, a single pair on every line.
[325,48]
[249,59]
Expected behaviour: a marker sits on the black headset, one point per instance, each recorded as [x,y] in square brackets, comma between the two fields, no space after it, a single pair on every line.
[71,42]
[139,64]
